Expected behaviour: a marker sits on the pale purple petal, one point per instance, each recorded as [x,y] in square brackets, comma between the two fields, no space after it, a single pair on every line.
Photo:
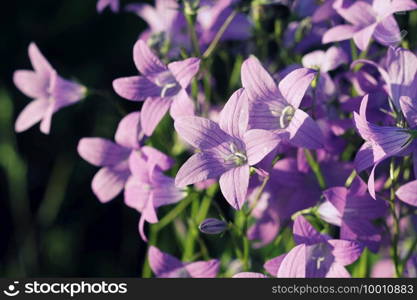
[39,62]
[129,131]
[136,88]
[234,185]
[101,152]
[257,81]
[109,181]
[334,57]
[337,271]
[408,193]
[409,109]
[31,83]
[200,167]
[31,114]
[294,86]
[203,269]
[235,115]
[249,275]
[304,131]
[185,70]
[145,60]
[259,143]
[153,110]
[345,252]
[359,13]
[65,92]
[160,159]
[294,263]
[163,264]
[272,265]
[182,105]
[305,233]
[339,33]
[363,37]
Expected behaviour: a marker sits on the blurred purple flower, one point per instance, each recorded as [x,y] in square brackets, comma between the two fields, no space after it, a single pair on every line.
[113,4]
[315,255]
[353,210]
[161,87]
[369,21]
[113,157]
[276,108]
[148,188]
[166,266]
[226,149]
[50,91]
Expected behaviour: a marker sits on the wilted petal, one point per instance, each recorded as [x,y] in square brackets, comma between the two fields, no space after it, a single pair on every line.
[163,264]
[234,185]
[185,70]
[304,131]
[203,269]
[294,86]
[136,88]
[408,193]
[235,115]
[101,152]
[257,81]
[153,110]
[200,167]
[31,114]
[145,60]
[259,143]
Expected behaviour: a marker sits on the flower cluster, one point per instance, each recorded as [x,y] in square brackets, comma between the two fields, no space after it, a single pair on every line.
[306,167]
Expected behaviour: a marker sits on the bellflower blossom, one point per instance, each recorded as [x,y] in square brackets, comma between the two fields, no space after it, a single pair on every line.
[148,188]
[369,21]
[162,87]
[316,255]
[113,157]
[353,210]
[226,149]
[50,91]
[276,108]
[165,265]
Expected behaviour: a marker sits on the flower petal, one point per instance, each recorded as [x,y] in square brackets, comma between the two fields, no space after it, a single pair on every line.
[305,233]
[304,131]
[339,33]
[272,265]
[235,115]
[163,264]
[39,62]
[145,60]
[294,86]
[31,114]
[31,84]
[136,88]
[109,181]
[259,143]
[153,110]
[185,70]
[249,275]
[363,37]
[408,193]
[345,252]
[101,152]
[294,263]
[234,185]
[129,131]
[182,105]
[203,269]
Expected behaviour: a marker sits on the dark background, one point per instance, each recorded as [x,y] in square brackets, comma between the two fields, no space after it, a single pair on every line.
[51,224]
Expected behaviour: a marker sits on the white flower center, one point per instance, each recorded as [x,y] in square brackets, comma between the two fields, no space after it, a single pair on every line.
[167,81]
[286,116]
[237,156]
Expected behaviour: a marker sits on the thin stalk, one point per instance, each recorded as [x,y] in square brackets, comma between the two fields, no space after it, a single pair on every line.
[258,195]
[315,167]
[396,228]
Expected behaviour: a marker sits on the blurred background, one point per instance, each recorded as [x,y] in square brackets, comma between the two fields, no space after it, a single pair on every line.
[51,224]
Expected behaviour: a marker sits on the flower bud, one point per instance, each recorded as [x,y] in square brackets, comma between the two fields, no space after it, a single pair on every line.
[212,226]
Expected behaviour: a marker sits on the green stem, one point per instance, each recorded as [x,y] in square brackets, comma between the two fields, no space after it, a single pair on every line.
[409,254]
[258,195]
[396,229]
[190,16]
[213,45]
[315,167]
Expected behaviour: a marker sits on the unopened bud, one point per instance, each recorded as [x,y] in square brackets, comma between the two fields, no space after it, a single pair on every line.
[212,226]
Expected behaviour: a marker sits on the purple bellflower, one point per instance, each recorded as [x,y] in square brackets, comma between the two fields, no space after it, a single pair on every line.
[369,21]
[226,149]
[382,142]
[162,87]
[316,255]
[166,266]
[353,210]
[113,4]
[113,157]
[276,108]
[148,188]
[50,91]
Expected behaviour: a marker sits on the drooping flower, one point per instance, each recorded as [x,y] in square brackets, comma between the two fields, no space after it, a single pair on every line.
[226,149]
[113,157]
[148,188]
[113,4]
[369,21]
[50,92]
[165,265]
[162,87]
[276,108]
[316,255]
[381,142]
[353,210]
